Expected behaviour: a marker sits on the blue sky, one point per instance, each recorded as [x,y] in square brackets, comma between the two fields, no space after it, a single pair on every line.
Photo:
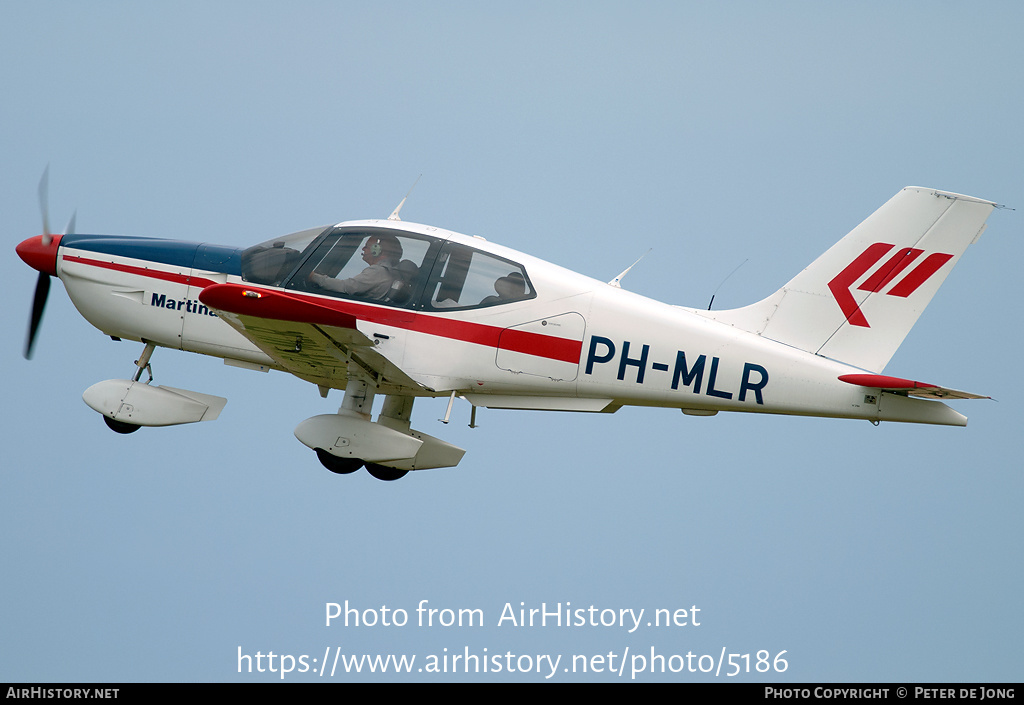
[580,132]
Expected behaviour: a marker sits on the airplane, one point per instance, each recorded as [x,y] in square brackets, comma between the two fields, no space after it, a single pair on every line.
[402,310]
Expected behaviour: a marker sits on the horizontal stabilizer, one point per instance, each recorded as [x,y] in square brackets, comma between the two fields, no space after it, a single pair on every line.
[909,387]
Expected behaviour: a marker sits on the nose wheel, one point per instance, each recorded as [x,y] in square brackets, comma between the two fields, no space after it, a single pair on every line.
[142,365]
[120,426]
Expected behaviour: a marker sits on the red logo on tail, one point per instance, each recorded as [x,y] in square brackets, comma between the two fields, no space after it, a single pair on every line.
[884,275]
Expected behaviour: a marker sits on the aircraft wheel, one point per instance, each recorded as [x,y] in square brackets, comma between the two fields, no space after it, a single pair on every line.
[382,472]
[339,466]
[120,426]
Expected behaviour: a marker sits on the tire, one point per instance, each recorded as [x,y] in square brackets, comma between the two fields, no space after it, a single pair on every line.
[382,472]
[339,466]
[120,426]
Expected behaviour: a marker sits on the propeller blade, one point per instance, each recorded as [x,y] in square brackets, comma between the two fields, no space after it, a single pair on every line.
[38,304]
[44,203]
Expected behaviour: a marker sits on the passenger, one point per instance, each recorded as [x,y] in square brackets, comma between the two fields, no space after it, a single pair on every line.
[507,288]
[381,253]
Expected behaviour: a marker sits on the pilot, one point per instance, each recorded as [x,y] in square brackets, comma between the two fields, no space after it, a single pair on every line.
[381,253]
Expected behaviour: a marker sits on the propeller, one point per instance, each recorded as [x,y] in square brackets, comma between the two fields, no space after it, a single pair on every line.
[43,282]
[38,304]
[44,203]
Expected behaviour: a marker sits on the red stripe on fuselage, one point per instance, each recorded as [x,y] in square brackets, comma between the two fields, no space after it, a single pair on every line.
[142,271]
[546,346]
[296,306]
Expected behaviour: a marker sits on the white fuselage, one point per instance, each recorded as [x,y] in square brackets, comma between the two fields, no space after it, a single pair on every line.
[579,344]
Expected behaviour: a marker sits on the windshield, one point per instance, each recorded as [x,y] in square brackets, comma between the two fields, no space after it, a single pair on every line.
[272,261]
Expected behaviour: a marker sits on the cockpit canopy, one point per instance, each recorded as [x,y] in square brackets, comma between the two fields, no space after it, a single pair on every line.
[387,266]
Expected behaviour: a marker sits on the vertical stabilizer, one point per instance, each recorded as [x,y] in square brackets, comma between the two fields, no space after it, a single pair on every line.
[857,302]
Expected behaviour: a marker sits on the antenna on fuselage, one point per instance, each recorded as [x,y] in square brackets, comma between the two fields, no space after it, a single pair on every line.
[394,213]
[616,281]
[723,282]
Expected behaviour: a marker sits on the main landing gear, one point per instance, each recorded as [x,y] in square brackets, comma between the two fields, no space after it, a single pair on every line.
[344,442]
[347,466]
[388,448]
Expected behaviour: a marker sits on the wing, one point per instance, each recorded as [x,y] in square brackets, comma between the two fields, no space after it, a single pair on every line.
[908,387]
[312,341]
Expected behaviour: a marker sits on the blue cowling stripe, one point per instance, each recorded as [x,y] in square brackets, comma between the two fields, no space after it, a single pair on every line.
[176,253]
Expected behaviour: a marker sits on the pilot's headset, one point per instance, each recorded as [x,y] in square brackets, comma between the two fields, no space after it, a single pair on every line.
[376,248]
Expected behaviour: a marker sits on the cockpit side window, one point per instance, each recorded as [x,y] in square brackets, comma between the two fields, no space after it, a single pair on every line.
[370,265]
[466,278]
